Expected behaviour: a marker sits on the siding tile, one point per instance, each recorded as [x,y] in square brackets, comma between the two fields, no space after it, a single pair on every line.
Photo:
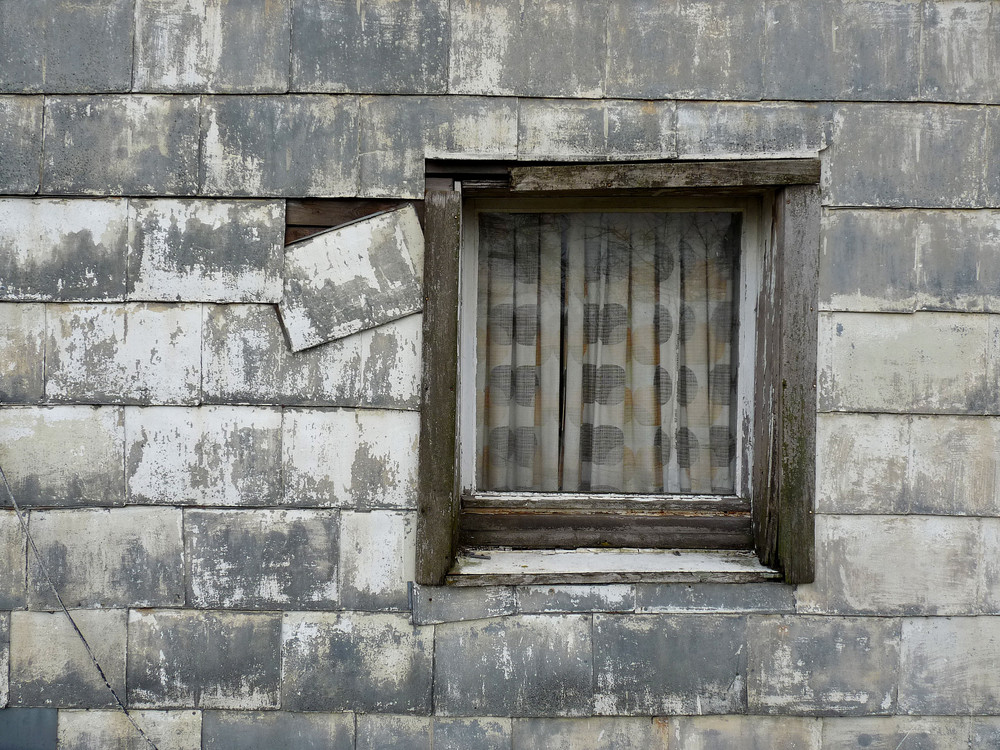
[894,565]
[247,360]
[4,661]
[378,559]
[841,49]
[121,145]
[576,598]
[924,362]
[123,354]
[295,146]
[63,45]
[745,733]
[491,667]
[436,604]
[170,730]
[212,46]
[961,52]
[205,251]
[948,665]
[381,47]
[62,250]
[13,566]
[210,455]
[528,48]
[667,664]
[199,659]
[353,278]
[934,159]
[236,730]
[29,728]
[392,140]
[714,597]
[262,559]
[822,666]
[897,733]
[391,369]
[383,663]
[50,666]
[471,127]
[596,733]
[122,557]
[20,143]
[22,353]
[63,455]
[741,130]
[685,50]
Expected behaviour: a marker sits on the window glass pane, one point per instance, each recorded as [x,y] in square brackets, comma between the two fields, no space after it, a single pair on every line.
[605,351]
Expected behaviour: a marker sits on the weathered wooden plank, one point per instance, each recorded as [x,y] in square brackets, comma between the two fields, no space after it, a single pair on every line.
[525,529]
[603,502]
[660,175]
[800,238]
[332,212]
[296,233]
[438,504]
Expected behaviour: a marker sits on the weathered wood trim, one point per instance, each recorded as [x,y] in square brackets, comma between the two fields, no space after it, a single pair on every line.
[438,505]
[665,175]
[606,502]
[569,579]
[800,238]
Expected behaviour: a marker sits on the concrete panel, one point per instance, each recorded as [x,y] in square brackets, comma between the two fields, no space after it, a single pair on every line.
[714,597]
[391,364]
[528,48]
[897,733]
[212,46]
[294,146]
[62,250]
[66,46]
[236,730]
[123,354]
[378,558]
[596,733]
[28,728]
[554,129]
[576,598]
[894,565]
[822,666]
[22,353]
[436,604]
[205,251]
[685,50]
[50,666]
[123,557]
[842,49]
[121,145]
[935,157]
[742,130]
[169,730]
[353,278]
[247,360]
[392,142]
[383,663]
[744,733]
[345,458]
[381,47]
[666,664]
[13,564]
[924,362]
[20,142]
[199,659]
[960,48]
[910,260]
[491,667]
[262,559]
[948,665]
[63,455]
[209,455]
[471,127]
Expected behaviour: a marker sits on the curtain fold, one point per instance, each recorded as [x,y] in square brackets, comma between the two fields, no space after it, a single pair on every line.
[604,350]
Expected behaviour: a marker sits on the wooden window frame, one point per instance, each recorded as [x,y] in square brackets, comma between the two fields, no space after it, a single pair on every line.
[782,469]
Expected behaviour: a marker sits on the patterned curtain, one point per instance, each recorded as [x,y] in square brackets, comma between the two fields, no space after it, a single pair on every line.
[605,352]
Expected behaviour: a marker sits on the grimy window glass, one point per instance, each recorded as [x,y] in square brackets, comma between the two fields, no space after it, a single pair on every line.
[605,351]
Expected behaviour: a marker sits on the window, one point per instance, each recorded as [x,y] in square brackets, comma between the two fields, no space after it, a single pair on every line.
[621,356]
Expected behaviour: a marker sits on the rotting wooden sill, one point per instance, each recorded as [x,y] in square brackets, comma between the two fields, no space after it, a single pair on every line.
[506,567]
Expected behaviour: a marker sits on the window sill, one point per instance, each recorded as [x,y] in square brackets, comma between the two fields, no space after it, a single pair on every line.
[497,567]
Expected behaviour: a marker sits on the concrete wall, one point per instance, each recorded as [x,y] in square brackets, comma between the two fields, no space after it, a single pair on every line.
[233,523]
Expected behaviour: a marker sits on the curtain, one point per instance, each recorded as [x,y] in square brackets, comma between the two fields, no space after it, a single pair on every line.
[605,352]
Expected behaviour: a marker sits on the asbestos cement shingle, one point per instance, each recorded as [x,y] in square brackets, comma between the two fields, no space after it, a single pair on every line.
[20,143]
[169,730]
[238,730]
[353,278]
[22,353]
